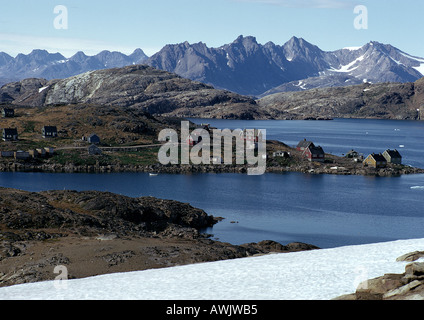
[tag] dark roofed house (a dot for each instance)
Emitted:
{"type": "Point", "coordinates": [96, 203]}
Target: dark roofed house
{"type": "Point", "coordinates": [392, 156]}
{"type": "Point", "coordinates": [10, 134]}
{"type": "Point", "coordinates": [94, 139]}
{"type": "Point", "coordinates": [49, 132]}
{"type": "Point", "coordinates": [315, 154]}
{"type": "Point", "coordinates": [355, 155]}
{"type": "Point", "coordinates": [304, 144]}
{"type": "Point", "coordinates": [375, 160]}
{"type": "Point", "coordinates": [7, 113]}
{"type": "Point", "coordinates": [94, 150]}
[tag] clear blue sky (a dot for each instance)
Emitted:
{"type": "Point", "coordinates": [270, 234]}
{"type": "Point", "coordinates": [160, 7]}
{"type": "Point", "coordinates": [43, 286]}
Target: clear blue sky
{"type": "Point", "coordinates": [125, 25]}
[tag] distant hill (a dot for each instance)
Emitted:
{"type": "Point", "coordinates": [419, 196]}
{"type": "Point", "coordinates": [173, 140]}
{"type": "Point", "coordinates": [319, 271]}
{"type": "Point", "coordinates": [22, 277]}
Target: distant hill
{"type": "Point", "coordinates": [402, 101]}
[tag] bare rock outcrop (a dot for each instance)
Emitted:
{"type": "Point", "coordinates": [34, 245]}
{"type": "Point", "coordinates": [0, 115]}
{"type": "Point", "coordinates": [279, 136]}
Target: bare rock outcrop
{"type": "Point", "coordinates": [406, 286]}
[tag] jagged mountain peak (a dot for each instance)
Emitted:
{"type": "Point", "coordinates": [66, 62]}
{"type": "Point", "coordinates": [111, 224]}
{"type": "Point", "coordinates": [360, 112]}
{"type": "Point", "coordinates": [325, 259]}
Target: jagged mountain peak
{"type": "Point", "coordinates": [243, 65]}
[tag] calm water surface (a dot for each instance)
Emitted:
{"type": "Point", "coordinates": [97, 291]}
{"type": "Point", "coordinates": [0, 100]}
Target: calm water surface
{"type": "Point", "coordinates": [324, 210]}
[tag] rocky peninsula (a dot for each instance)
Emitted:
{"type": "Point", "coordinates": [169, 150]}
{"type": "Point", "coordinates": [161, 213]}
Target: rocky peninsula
{"type": "Point", "coordinates": [93, 233]}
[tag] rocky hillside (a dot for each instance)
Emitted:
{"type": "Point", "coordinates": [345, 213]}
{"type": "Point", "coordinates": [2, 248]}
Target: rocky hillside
{"type": "Point", "coordinates": [137, 87]}
{"type": "Point", "coordinates": [381, 101]}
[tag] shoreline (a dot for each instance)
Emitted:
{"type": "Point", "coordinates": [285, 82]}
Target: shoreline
{"type": "Point", "coordinates": [306, 167]}
{"type": "Point", "coordinates": [93, 233]}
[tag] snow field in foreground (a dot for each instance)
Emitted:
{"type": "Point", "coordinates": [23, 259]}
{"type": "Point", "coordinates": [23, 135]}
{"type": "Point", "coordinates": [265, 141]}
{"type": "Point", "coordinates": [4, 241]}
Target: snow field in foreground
{"type": "Point", "coordinates": [311, 275]}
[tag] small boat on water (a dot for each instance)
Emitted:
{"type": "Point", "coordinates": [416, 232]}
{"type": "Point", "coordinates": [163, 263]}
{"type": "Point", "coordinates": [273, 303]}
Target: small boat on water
{"type": "Point", "coordinates": [153, 174]}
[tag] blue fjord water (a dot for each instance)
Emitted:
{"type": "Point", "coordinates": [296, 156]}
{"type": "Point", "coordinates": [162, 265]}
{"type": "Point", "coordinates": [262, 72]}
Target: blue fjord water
{"type": "Point", "coordinates": [324, 210]}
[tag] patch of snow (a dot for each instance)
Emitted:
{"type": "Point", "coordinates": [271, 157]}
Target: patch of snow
{"type": "Point", "coordinates": [398, 62]}
{"type": "Point", "coordinates": [420, 68]}
{"type": "Point", "coordinates": [349, 67]}
{"type": "Point", "coordinates": [42, 89]}
{"type": "Point", "coordinates": [352, 48]}
{"type": "Point", "coordinates": [301, 85]}
{"type": "Point", "coordinates": [310, 275]}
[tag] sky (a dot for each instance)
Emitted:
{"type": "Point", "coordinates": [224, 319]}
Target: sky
{"type": "Point", "coordinates": [92, 26]}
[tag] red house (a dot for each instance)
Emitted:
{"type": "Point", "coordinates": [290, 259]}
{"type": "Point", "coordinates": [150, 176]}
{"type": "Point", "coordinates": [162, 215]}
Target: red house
{"type": "Point", "coordinates": [303, 145]}
{"type": "Point", "coordinates": [310, 151]}
{"type": "Point", "coordinates": [313, 153]}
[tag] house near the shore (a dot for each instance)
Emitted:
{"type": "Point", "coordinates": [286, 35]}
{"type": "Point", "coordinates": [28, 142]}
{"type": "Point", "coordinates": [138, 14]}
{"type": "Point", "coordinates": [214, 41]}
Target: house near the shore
{"type": "Point", "coordinates": [93, 139]}
{"type": "Point", "coordinates": [392, 156]}
{"type": "Point", "coordinates": [310, 151]}
{"type": "Point", "coordinates": [21, 155]}
{"type": "Point", "coordinates": [355, 155]}
{"type": "Point", "coordinates": [304, 144]}
{"type": "Point", "coordinates": [49, 132]}
{"type": "Point", "coordinates": [6, 154]}
{"type": "Point", "coordinates": [314, 154]}
{"type": "Point", "coordinates": [10, 134]}
{"type": "Point", "coordinates": [7, 113]}
{"type": "Point", "coordinates": [281, 154]}
{"type": "Point", "coordinates": [375, 160]}
{"type": "Point", "coordinates": [94, 150]}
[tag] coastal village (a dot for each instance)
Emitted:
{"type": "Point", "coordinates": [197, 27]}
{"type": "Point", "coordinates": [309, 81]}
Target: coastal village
{"type": "Point", "coordinates": [305, 157]}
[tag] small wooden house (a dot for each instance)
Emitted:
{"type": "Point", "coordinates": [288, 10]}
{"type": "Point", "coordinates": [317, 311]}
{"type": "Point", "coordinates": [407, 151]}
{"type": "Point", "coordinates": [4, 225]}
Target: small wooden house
{"type": "Point", "coordinates": [281, 154]}
{"type": "Point", "coordinates": [7, 113]}
{"type": "Point", "coordinates": [10, 134]}
{"type": "Point", "coordinates": [93, 139]}
{"type": "Point", "coordinates": [49, 132]}
{"type": "Point", "coordinates": [375, 161]}
{"type": "Point", "coordinates": [356, 156]}
{"type": "Point", "coordinates": [304, 144]}
{"type": "Point", "coordinates": [94, 150]}
{"type": "Point", "coordinates": [22, 155]}
{"type": "Point", "coordinates": [314, 154]}
{"type": "Point", "coordinates": [392, 156]}
{"type": "Point", "coordinates": [6, 154]}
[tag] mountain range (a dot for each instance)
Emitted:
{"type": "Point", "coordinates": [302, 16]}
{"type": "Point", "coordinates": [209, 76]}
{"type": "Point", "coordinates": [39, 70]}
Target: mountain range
{"type": "Point", "coordinates": [42, 64]}
{"type": "Point", "coordinates": [243, 66]}
{"type": "Point", "coordinates": [249, 68]}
